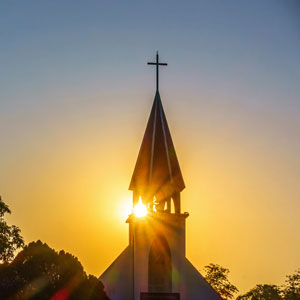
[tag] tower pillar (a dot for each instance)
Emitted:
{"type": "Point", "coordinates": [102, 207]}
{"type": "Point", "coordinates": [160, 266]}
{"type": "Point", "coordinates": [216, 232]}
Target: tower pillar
{"type": "Point", "coordinates": [157, 245]}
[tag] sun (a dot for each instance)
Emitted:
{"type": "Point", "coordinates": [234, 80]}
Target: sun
{"type": "Point", "coordinates": [140, 210]}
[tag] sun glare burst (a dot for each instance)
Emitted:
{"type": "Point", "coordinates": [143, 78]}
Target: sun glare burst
{"type": "Point", "coordinates": [140, 210]}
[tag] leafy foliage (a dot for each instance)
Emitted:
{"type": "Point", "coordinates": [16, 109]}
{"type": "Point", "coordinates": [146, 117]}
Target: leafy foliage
{"type": "Point", "coordinates": [217, 277]}
{"type": "Point", "coordinates": [39, 272]}
{"type": "Point", "coordinates": [10, 237]}
{"type": "Point", "coordinates": [262, 292]}
{"type": "Point", "coordinates": [291, 289]}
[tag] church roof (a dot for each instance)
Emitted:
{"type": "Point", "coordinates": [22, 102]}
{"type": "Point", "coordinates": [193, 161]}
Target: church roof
{"type": "Point", "coordinates": [157, 169]}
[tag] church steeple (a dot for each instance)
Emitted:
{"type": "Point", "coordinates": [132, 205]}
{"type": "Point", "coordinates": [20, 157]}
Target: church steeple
{"type": "Point", "coordinates": [157, 176]}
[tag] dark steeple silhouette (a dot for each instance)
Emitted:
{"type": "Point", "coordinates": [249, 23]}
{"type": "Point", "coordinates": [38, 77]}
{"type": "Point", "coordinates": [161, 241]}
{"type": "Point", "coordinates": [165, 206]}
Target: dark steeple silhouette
{"type": "Point", "coordinates": [157, 172]}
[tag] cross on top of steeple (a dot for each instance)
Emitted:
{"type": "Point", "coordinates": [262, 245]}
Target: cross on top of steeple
{"type": "Point", "coordinates": [157, 64]}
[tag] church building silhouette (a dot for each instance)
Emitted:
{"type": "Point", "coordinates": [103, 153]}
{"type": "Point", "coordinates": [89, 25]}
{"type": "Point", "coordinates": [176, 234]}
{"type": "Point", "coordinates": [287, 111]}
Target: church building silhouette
{"type": "Point", "coordinates": [154, 265]}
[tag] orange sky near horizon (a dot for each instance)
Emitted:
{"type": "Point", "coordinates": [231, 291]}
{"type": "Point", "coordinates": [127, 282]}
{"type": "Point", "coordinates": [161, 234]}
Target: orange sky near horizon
{"type": "Point", "coordinates": [69, 188]}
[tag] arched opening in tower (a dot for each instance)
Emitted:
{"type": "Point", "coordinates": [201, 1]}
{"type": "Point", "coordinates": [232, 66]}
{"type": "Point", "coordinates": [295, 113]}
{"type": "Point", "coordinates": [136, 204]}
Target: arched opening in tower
{"type": "Point", "coordinates": [160, 266]}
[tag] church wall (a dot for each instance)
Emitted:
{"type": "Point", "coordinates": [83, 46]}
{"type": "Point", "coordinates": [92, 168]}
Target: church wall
{"type": "Point", "coordinates": [117, 278]}
{"type": "Point", "coordinates": [196, 286]}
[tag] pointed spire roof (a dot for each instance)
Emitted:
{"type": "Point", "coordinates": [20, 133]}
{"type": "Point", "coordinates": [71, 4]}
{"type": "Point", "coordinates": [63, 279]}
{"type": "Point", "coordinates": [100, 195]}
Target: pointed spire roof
{"type": "Point", "coordinates": [157, 169]}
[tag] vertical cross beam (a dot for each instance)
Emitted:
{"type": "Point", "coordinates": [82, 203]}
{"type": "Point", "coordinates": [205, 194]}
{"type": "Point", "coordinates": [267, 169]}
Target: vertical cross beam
{"type": "Point", "coordinates": [157, 64]}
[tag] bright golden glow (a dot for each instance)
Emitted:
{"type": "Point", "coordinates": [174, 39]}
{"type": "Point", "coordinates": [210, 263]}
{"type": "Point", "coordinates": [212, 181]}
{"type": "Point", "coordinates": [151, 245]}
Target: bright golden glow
{"type": "Point", "coordinates": [140, 210]}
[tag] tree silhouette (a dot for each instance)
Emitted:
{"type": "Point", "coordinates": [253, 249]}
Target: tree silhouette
{"type": "Point", "coordinates": [291, 290]}
{"type": "Point", "coordinates": [10, 237]}
{"type": "Point", "coordinates": [262, 292]}
{"type": "Point", "coordinates": [217, 277]}
{"type": "Point", "coordinates": [39, 272]}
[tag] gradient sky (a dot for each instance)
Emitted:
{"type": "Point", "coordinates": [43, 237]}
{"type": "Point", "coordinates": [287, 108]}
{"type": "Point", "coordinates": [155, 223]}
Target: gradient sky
{"type": "Point", "coordinates": [75, 96]}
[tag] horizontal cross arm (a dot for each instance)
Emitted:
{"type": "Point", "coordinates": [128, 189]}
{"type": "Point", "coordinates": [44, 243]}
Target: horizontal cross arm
{"type": "Point", "coordinates": [160, 64]}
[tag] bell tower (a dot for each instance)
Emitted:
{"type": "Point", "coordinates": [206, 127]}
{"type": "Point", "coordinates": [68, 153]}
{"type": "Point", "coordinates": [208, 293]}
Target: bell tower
{"type": "Point", "coordinates": [158, 239]}
{"type": "Point", "coordinates": [157, 177]}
